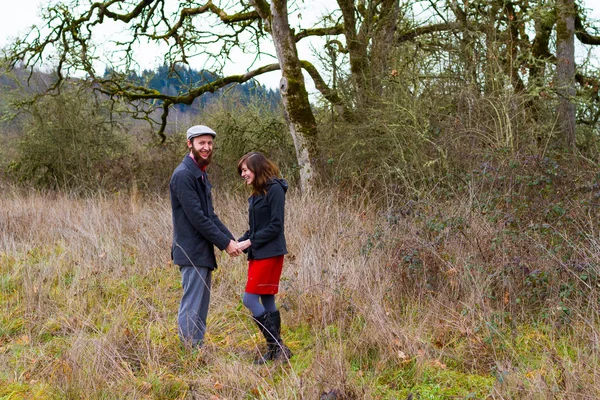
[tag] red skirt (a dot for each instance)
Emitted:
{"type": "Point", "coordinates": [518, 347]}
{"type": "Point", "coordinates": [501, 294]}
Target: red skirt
{"type": "Point", "coordinates": [263, 275]}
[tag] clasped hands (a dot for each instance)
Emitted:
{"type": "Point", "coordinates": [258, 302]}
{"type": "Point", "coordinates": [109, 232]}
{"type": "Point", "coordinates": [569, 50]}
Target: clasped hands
{"type": "Point", "coordinates": [234, 248]}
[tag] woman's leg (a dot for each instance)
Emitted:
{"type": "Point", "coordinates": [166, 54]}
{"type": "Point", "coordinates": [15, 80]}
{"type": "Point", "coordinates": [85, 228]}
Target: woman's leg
{"type": "Point", "coordinates": [277, 350]}
{"type": "Point", "coordinates": [261, 317]}
{"type": "Point", "coordinates": [252, 303]}
{"type": "Point", "coordinates": [268, 302]}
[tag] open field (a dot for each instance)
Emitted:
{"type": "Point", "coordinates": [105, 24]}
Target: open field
{"type": "Point", "coordinates": [430, 300]}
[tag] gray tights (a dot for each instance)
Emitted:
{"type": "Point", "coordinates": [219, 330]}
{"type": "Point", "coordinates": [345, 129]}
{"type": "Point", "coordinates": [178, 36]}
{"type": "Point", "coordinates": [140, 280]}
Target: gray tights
{"type": "Point", "coordinates": [259, 303]}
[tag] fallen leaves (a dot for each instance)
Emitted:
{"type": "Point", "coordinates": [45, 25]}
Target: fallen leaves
{"type": "Point", "coordinates": [438, 364]}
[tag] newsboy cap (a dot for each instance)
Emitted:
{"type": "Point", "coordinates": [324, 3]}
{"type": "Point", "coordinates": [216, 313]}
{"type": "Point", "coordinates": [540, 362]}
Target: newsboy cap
{"type": "Point", "coordinates": [199, 130]}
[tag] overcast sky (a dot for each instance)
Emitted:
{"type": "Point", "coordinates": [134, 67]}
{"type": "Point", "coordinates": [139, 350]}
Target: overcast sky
{"type": "Point", "coordinates": [18, 15]}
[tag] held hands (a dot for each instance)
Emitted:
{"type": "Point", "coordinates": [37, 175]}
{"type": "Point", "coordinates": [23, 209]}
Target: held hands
{"type": "Point", "coordinates": [234, 248]}
{"type": "Point", "coordinates": [243, 245]}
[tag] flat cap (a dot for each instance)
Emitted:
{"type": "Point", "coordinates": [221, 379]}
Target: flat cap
{"type": "Point", "coordinates": [199, 130]}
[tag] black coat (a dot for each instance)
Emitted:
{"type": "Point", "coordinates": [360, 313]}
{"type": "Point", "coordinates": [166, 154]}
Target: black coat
{"type": "Point", "coordinates": [266, 222]}
{"type": "Point", "coordinates": [196, 227]}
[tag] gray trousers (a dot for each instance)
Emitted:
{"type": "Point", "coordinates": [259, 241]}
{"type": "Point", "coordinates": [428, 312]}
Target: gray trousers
{"type": "Point", "coordinates": [193, 309]}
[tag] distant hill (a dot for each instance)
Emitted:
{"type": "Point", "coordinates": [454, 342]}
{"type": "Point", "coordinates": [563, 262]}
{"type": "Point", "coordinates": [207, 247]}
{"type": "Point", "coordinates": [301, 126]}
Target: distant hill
{"type": "Point", "coordinates": [13, 85]}
{"type": "Point", "coordinates": [181, 78]}
{"type": "Point", "coordinates": [164, 79]}
{"type": "Point", "coordinates": [24, 79]}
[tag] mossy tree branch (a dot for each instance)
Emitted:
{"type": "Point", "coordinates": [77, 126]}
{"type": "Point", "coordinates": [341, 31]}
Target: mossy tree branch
{"type": "Point", "coordinates": [581, 33]}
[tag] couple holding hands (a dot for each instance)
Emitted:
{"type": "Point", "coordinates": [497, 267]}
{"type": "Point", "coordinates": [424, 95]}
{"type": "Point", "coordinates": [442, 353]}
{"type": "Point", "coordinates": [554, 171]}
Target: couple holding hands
{"type": "Point", "coordinates": [197, 229]}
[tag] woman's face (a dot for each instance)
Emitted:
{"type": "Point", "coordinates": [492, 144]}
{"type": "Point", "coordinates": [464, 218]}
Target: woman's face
{"type": "Point", "coordinates": [247, 174]}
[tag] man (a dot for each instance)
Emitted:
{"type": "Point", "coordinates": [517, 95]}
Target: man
{"type": "Point", "coordinates": [196, 229]}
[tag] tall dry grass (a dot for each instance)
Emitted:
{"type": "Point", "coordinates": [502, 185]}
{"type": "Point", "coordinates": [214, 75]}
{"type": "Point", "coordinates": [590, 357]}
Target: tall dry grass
{"type": "Point", "coordinates": [425, 298]}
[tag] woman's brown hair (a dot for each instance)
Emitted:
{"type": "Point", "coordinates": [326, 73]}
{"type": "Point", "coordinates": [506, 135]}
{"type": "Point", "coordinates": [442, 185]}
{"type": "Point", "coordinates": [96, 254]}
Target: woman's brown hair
{"type": "Point", "coordinates": [263, 169]}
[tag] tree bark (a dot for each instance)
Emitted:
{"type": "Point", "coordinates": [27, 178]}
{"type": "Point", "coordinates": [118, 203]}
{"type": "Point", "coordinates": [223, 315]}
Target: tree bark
{"type": "Point", "coordinates": [357, 50]}
{"type": "Point", "coordinates": [369, 28]}
{"type": "Point", "coordinates": [383, 42]}
{"type": "Point", "coordinates": [299, 115]}
{"type": "Point", "coordinates": [565, 69]}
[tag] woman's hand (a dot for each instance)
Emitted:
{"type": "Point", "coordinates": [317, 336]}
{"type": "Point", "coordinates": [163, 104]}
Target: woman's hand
{"type": "Point", "coordinates": [232, 249]}
{"type": "Point", "coordinates": [243, 245]}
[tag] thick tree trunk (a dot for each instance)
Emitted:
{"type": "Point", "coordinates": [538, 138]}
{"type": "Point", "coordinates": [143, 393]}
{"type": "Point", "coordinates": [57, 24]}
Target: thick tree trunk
{"type": "Point", "coordinates": [369, 28]}
{"type": "Point", "coordinates": [300, 117]}
{"type": "Point", "coordinates": [565, 69]}
{"type": "Point", "coordinates": [357, 50]}
{"type": "Point", "coordinates": [383, 42]}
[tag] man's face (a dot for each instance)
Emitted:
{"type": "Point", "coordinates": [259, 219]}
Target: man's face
{"type": "Point", "coordinates": [201, 148]}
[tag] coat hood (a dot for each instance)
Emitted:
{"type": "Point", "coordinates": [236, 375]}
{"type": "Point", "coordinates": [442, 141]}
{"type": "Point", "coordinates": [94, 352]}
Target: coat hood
{"type": "Point", "coordinates": [279, 181]}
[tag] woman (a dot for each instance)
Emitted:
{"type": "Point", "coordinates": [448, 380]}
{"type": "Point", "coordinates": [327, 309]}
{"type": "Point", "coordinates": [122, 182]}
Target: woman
{"type": "Point", "coordinates": [265, 244]}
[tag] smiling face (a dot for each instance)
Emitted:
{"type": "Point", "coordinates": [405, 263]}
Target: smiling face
{"type": "Point", "coordinates": [201, 148]}
{"type": "Point", "coordinates": [246, 174]}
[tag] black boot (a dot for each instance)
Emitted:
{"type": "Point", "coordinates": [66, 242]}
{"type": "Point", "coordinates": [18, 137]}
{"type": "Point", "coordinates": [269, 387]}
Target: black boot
{"type": "Point", "coordinates": [278, 349]}
{"type": "Point", "coordinates": [265, 326]}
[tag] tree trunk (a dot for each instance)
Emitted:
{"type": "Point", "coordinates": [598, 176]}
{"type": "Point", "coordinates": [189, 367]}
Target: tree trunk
{"type": "Point", "coordinates": [565, 69]}
{"type": "Point", "coordinates": [369, 28]}
{"type": "Point", "coordinates": [383, 42]}
{"type": "Point", "coordinates": [299, 115]}
{"type": "Point", "coordinates": [357, 50]}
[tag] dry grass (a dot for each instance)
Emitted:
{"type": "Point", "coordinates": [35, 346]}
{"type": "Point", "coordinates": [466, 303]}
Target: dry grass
{"type": "Point", "coordinates": [436, 300]}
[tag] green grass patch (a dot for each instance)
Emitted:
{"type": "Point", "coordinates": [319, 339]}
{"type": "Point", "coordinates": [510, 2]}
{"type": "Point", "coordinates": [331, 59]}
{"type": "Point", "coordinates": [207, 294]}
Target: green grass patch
{"type": "Point", "coordinates": [26, 391]}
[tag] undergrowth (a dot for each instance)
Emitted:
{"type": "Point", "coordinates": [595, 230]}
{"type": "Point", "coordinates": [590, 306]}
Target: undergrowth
{"type": "Point", "coordinates": [488, 291]}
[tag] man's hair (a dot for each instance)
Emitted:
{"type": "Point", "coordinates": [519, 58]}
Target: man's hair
{"type": "Point", "coordinates": [263, 169]}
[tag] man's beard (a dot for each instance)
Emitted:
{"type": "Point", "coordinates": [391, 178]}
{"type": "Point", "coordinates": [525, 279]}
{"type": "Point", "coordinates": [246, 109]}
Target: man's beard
{"type": "Point", "coordinates": [202, 162]}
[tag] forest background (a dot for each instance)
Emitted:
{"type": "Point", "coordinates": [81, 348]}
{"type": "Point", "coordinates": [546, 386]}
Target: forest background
{"type": "Point", "coordinates": [442, 221]}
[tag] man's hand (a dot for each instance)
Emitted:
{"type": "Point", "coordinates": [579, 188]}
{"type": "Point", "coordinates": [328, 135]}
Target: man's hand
{"type": "Point", "coordinates": [232, 249]}
{"type": "Point", "coordinates": [244, 245]}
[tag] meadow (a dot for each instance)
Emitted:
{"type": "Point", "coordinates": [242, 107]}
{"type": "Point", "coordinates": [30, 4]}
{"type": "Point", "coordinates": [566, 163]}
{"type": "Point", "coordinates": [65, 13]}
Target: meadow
{"type": "Point", "coordinates": [449, 247]}
{"type": "Point", "coordinates": [427, 300]}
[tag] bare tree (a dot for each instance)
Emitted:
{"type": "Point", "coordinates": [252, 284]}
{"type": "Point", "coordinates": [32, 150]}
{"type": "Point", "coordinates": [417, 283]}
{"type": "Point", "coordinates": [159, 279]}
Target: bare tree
{"type": "Point", "coordinates": [190, 30]}
{"type": "Point", "coordinates": [492, 38]}
{"type": "Point", "coordinates": [494, 46]}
